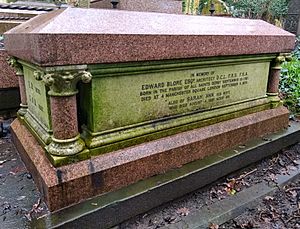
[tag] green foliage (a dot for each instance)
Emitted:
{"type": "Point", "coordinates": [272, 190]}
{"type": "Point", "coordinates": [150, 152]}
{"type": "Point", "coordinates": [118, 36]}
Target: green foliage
{"type": "Point", "coordinates": [290, 82]}
{"type": "Point", "coordinates": [296, 52]}
{"type": "Point", "coordinates": [278, 8]}
{"type": "Point", "coordinates": [260, 9]}
{"type": "Point", "coordinates": [201, 6]}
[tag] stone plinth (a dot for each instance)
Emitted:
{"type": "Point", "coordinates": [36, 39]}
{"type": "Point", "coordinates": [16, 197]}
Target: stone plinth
{"type": "Point", "coordinates": [111, 99]}
{"type": "Point", "coordinates": [70, 184]}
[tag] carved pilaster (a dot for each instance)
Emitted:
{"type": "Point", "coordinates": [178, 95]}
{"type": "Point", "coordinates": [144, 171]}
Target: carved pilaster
{"type": "Point", "coordinates": [63, 89]}
{"type": "Point", "coordinates": [19, 72]}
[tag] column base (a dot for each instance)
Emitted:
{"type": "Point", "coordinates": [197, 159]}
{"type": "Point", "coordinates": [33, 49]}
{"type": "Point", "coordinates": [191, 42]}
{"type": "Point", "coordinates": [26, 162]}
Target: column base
{"type": "Point", "coordinates": [275, 101]}
{"type": "Point", "coordinates": [22, 111]}
{"type": "Point", "coordinates": [66, 147]}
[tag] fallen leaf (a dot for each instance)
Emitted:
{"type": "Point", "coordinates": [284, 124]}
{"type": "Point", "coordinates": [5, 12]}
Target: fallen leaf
{"type": "Point", "coordinates": [170, 219]}
{"type": "Point", "coordinates": [297, 162]}
{"type": "Point", "coordinates": [272, 177]}
{"type": "Point", "coordinates": [213, 226]}
{"type": "Point", "coordinates": [2, 162]}
{"type": "Point", "coordinates": [28, 216]}
{"type": "Point", "coordinates": [292, 168]}
{"type": "Point", "coordinates": [272, 208]}
{"type": "Point", "coordinates": [231, 183]}
{"type": "Point", "coordinates": [231, 187]}
{"type": "Point", "coordinates": [183, 211]}
{"type": "Point", "coordinates": [6, 207]}
{"type": "Point", "coordinates": [266, 220]}
{"type": "Point", "coordinates": [219, 194]}
{"type": "Point", "coordinates": [244, 183]}
{"type": "Point", "coordinates": [268, 198]}
{"type": "Point", "coordinates": [293, 193]}
{"type": "Point", "coordinates": [281, 162]}
{"type": "Point", "coordinates": [248, 225]}
{"type": "Point", "coordinates": [232, 192]}
{"type": "Point", "coordinates": [35, 209]}
{"type": "Point", "coordinates": [21, 197]}
{"type": "Point", "coordinates": [284, 171]}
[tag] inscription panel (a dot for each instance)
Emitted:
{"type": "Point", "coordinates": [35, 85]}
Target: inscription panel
{"type": "Point", "coordinates": [125, 100]}
{"type": "Point", "coordinates": [37, 98]}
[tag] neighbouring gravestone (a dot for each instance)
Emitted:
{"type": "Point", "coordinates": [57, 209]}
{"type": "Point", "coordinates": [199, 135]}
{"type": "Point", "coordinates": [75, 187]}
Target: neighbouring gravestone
{"type": "Point", "coordinates": [292, 19]}
{"type": "Point", "coordinates": [16, 13]}
{"type": "Point", "coordinates": [163, 6]}
{"type": "Point", "coordinates": [12, 15]}
{"type": "Point", "coordinates": [175, 88]}
{"type": "Point", "coordinates": [9, 91]}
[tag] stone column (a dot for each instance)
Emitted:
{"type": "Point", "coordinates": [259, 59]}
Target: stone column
{"type": "Point", "coordinates": [274, 77]}
{"type": "Point", "coordinates": [66, 138]}
{"type": "Point", "coordinates": [19, 72]}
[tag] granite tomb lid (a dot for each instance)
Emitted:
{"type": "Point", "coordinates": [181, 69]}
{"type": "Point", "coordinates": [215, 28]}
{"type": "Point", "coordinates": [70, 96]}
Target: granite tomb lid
{"type": "Point", "coordinates": [90, 36]}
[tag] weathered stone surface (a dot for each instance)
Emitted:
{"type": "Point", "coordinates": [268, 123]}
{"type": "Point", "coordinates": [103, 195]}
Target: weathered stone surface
{"type": "Point", "coordinates": [126, 104]}
{"type": "Point", "coordinates": [126, 100]}
{"type": "Point", "coordinates": [37, 98]}
{"type": "Point", "coordinates": [121, 36]}
{"type": "Point", "coordinates": [73, 183]}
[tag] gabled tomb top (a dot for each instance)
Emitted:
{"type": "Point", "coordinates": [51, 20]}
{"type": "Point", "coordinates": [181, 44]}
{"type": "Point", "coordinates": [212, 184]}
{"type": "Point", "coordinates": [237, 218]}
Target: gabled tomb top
{"type": "Point", "coordinates": [90, 36]}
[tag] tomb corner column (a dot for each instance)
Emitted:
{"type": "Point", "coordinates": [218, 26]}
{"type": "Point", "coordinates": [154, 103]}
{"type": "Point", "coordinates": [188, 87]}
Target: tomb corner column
{"type": "Point", "coordinates": [274, 77]}
{"type": "Point", "coordinates": [66, 138]}
{"type": "Point", "coordinates": [19, 72]}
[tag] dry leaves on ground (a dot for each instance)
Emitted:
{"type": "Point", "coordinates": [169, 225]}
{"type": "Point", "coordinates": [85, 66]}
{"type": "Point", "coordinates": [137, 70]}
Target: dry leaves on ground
{"type": "Point", "coordinates": [183, 211]}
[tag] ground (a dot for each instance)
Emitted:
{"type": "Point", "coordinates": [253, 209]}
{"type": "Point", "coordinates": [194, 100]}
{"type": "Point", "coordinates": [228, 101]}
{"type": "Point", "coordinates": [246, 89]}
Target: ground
{"type": "Point", "coordinates": [19, 197]}
{"type": "Point", "coordinates": [20, 201]}
{"type": "Point", "coordinates": [279, 210]}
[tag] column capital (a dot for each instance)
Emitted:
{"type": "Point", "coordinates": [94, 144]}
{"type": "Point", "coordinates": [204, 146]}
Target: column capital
{"type": "Point", "coordinates": [282, 57]}
{"type": "Point", "coordinates": [274, 76]}
{"type": "Point", "coordinates": [63, 83]}
{"type": "Point", "coordinates": [16, 65]}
